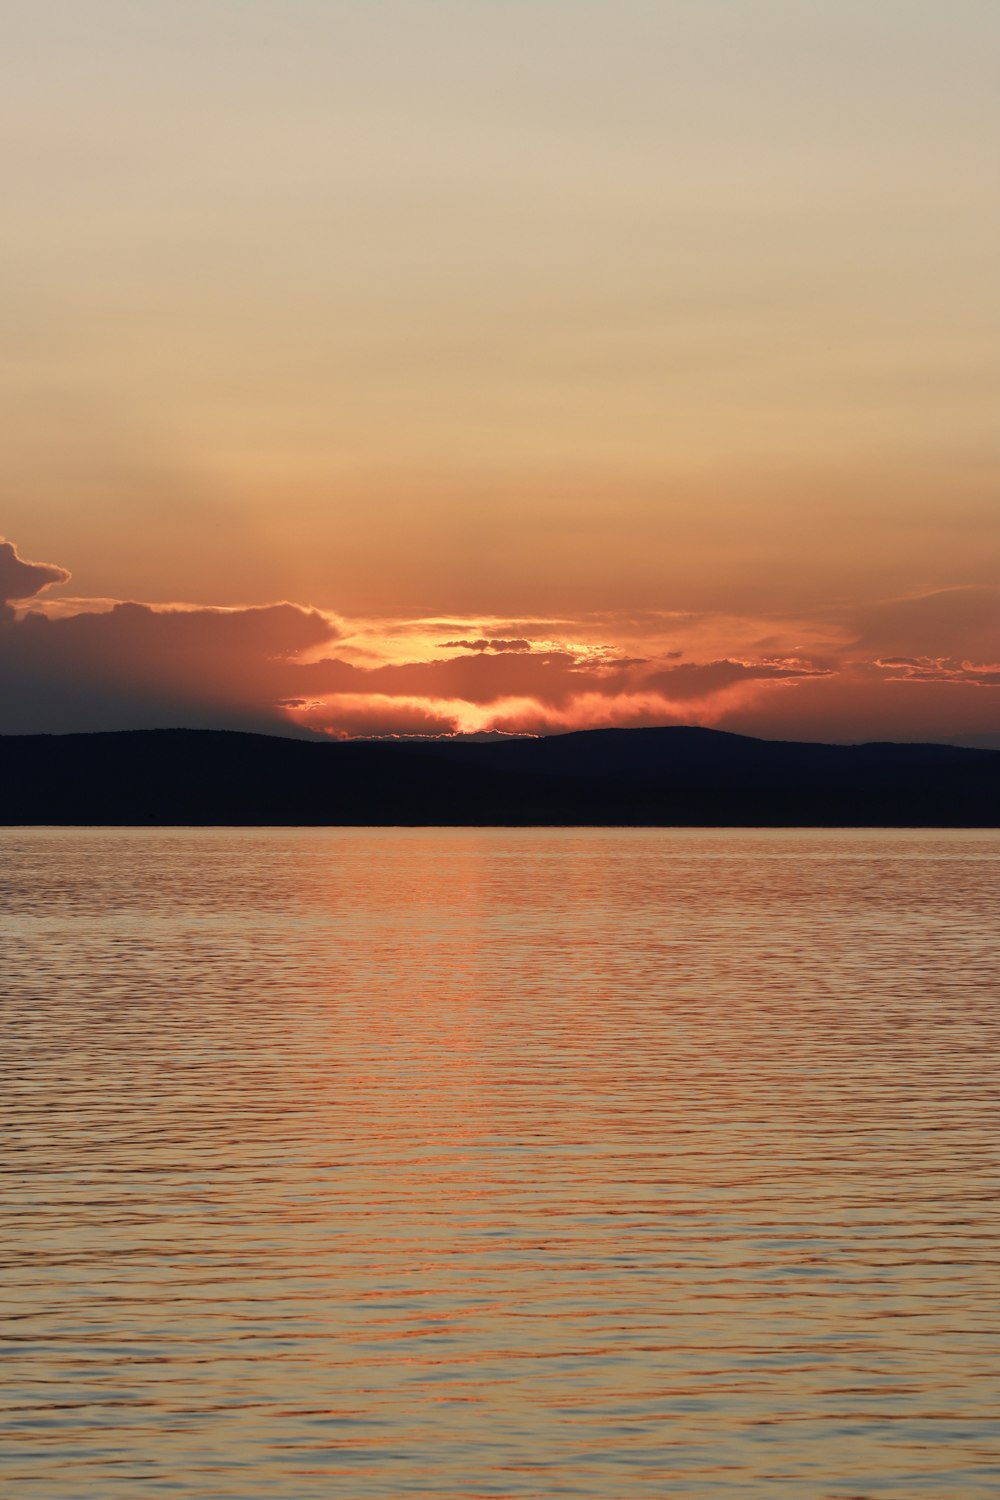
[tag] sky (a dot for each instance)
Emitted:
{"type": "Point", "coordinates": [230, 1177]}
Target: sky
{"type": "Point", "coordinates": [422, 366]}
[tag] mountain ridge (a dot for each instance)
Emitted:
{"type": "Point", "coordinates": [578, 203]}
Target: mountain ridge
{"type": "Point", "coordinates": [681, 775]}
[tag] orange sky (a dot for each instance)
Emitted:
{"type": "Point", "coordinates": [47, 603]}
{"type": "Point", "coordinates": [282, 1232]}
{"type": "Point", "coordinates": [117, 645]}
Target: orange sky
{"type": "Point", "coordinates": [659, 337]}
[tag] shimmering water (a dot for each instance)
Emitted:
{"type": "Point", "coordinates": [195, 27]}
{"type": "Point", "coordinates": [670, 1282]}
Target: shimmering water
{"type": "Point", "coordinates": [490, 1163]}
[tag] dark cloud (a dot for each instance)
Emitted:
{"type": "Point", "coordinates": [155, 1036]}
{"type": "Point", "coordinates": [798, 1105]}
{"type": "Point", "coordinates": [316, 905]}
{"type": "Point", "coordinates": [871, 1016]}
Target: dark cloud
{"type": "Point", "coordinates": [480, 679]}
{"type": "Point", "coordinates": [135, 667]}
{"type": "Point", "coordinates": [487, 645]}
{"type": "Point", "coordinates": [20, 579]}
{"type": "Point", "coordinates": [866, 703]}
{"type": "Point", "coordinates": [694, 680]}
{"type": "Point", "coordinates": [960, 623]}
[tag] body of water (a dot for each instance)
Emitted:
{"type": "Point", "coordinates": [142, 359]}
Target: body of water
{"type": "Point", "coordinates": [485, 1163]}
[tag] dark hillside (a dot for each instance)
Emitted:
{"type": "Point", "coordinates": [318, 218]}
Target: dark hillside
{"type": "Point", "coordinates": [675, 776]}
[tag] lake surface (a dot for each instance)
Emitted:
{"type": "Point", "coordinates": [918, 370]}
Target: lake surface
{"type": "Point", "coordinates": [478, 1163]}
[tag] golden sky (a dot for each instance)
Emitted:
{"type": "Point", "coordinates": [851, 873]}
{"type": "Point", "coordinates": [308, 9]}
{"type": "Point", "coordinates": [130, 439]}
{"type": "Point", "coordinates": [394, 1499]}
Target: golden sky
{"type": "Point", "coordinates": [659, 336]}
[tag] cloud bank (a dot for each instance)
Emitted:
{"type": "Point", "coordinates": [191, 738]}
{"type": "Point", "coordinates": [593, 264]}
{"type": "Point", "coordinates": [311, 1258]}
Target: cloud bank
{"type": "Point", "coordinates": [918, 667]}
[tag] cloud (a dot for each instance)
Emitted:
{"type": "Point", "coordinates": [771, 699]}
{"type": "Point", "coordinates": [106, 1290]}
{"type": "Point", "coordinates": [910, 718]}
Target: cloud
{"type": "Point", "coordinates": [902, 668]}
{"type": "Point", "coordinates": [693, 680]}
{"type": "Point", "coordinates": [487, 645]}
{"type": "Point", "coordinates": [958, 623]}
{"type": "Point", "coordinates": [939, 669]}
{"type": "Point", "coordinates": [20, 579]}
{"type": "Point", "coordinates": [535, 694]}
{"type": "Point", "coordinates": [551, 676]}
{"type": "Point", "coordinates": [863, 702]}
{"type": "Point", "coordinates": [365, 715]}
{"type": "Point", "coordinates": [135, 666]}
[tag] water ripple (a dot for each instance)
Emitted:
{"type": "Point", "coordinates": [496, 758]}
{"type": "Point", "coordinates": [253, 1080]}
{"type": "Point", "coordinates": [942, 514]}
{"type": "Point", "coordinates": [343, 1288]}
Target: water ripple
{"type": "Point", "coordinates": [498, 1163]}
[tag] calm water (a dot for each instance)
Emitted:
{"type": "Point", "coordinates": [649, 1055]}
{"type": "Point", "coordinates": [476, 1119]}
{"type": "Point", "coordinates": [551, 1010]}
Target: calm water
{"type": "Point", "coordinates": [490, 1163]}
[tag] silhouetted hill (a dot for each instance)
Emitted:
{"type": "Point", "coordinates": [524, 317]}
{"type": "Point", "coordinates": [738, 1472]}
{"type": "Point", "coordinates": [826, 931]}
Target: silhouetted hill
{"type": "Point", "coordinates": [653, 777]}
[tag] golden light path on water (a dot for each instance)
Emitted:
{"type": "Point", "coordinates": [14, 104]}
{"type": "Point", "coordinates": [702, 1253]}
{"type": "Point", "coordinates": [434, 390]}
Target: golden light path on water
{"type": "Point", "coordinates": [521, 1163]}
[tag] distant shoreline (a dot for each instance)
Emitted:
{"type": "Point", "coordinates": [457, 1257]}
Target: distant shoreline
{"type": "Point", "coordinates": [674, 777]}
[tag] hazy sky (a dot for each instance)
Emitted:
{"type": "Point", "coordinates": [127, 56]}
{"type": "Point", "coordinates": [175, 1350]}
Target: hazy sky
{"type": "Point", "coordinates": [657, 329]}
